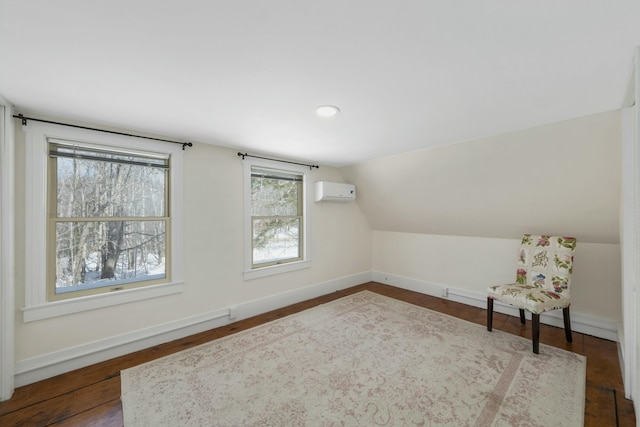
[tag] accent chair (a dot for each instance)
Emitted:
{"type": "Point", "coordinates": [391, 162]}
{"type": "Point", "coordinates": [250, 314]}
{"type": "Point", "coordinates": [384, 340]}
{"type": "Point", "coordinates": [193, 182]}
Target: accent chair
{"type": "Point", "coordinates": [543, 279]}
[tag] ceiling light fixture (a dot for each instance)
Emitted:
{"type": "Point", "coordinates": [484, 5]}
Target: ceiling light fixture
{"type": "Point", "coordinates": [327, 110]}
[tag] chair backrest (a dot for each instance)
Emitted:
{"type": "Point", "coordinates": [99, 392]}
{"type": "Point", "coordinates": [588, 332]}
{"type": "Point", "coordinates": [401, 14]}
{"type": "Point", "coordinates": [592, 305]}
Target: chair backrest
{"type": "Point", "coordinates": [546, 262]}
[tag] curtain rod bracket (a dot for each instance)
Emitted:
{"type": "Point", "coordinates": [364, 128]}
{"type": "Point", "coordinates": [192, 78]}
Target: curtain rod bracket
{"type": "Point", "coordinates": [243, 155]}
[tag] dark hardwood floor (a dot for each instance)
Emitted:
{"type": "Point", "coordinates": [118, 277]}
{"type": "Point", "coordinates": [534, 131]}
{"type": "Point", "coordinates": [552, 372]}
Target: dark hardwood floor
{"type": "Point", "coordinates": [91, 396]}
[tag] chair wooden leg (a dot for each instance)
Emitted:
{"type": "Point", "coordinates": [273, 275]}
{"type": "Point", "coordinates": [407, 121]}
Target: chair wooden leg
{"type": "Point", "coordinates": [522, 318]}
{"type": "Point", "coordinates": [489, 314]}
{"type": "Point", "coordinates": [567, 324]}
{"type": "Point", "coordinates": [535, 332]}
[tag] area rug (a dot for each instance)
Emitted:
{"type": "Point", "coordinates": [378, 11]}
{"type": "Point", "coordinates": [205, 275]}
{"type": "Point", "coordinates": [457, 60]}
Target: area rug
{"type": "Point", "coordinates": [362, 360]}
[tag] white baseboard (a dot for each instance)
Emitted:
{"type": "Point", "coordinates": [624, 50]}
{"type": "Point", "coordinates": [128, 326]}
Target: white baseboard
{"type": "Point", "coordinates": [51, 364]}
{"type": "Point", "coordinates": [590, 325]}
{"type": "Point", "coordinates": [409, 284]}
{"type": "Point", "coordinates": [48, 365]}
{"type": "Point", "coordinates": [273, 302]}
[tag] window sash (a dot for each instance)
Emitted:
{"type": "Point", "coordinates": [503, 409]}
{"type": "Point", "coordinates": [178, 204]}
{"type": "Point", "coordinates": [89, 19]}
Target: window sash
{"type": "Point", "coordinates": [277, 260]}
{"type": "Point", "coordinates": [87, 152]}
{"type": "Point", "coordinates": [90, 287]}
{"type": "Point", "coordinates": [78, 178]}
{"type": "Point", "coordinates": [286, 176]}
{"type": "Point", "coordinates": [259, 172]}
{"type": "Point", "coordinates": [70, 149]}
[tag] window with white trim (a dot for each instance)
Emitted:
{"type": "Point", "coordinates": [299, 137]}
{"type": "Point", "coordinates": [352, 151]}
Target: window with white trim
{"type": "Point", "coordinates": [104, 220]}
{"type": "Point", "coordinates": [276, 219]}
{"type": "Point", "coordinates": [108, 219]}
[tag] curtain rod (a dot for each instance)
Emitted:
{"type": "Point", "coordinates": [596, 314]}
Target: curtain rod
{"type": "Point", "coordinates": [243, 155]}
{"type": "Point", "coordinates": [24, 123]}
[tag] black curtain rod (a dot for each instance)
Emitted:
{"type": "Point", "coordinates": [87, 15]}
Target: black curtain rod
{"type": "Point", "coordinates": [24, 123]}
{"type": "Point", "coordinates": [243, 155]}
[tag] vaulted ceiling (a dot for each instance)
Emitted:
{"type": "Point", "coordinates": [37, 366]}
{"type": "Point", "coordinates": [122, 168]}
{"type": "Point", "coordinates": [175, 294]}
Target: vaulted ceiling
{"type": "Point", "coordinates": [406, 74]}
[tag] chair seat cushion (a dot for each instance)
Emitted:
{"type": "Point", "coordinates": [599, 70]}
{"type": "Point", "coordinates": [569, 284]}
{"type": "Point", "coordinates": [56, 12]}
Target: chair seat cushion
{"type": "Point", "coordinates": [528, 297]}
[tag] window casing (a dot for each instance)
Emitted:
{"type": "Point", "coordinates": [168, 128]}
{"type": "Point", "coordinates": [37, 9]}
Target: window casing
{"type": "Point", "coordinates": [276, 219]}
{"type": "Point", "coordinates": [42, 218]}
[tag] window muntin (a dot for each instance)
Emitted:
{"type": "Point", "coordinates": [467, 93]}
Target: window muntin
{"type": "Point", "coordinates": [277, 217]}
{"type": "Point", "coordinates": [108, 222]}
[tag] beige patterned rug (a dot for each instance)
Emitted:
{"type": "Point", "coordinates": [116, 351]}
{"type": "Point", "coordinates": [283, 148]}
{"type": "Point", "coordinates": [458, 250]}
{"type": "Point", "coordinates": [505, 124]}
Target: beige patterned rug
{"type": "Point", "coordinates": [362, 360]}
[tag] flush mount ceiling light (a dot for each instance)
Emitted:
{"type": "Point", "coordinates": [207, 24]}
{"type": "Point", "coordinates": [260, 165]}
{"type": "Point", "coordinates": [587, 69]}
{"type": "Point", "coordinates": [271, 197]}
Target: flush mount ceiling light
{"type": "Point", "coordinates": [327, 110]}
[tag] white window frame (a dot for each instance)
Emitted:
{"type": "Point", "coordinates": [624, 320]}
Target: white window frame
{"type": "Point", "coordinates": [36, 305]}
{"type": "Point", "coordinates": [257, 272]}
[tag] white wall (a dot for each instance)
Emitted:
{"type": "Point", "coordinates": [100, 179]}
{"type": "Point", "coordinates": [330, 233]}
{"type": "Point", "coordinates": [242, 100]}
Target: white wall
{"type": "Point", "coordinates": [213, 248]}
{"type": "Point", "coordinates": [558, 179]}
{"type": "Point", "coordinates": [451, 217]}
{"type": "Point", "coordinates": [474, 263]}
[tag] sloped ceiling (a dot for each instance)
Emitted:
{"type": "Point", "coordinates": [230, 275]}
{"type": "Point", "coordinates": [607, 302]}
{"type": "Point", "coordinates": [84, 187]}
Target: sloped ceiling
{"type": "Point", "coordinates": [407, 74]}
{"type": "Point", "coordinates": [559, 179]}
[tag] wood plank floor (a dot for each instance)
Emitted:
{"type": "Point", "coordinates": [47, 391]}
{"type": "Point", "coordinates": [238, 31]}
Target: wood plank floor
{"type": "Point", "coordinates": [91, 396]}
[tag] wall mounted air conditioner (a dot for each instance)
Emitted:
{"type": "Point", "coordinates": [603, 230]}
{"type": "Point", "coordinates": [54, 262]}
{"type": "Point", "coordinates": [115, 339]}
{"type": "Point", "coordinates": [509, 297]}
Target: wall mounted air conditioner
{"type": "Point", "coordinates": [334, 192]}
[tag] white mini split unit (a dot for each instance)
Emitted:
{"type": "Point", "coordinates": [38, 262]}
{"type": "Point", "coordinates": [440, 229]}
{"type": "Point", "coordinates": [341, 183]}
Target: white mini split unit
{"type": "Point", "coordinates": [334, 192]}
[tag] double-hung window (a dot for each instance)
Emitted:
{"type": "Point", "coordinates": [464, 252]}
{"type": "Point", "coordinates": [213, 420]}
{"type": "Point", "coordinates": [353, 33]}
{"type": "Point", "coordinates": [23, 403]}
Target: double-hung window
{"type": "Point", "coordinates": [276, 219]}
{"type": "Point", "coordinates": [108, 219]}
{"type": "Point", "coordinates": [103, 220]}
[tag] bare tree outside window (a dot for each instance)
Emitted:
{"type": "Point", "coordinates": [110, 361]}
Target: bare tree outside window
{"type": "Point", "coordinates": [110, 222]}
{"type": "Point", "coordinates": [276, 216]}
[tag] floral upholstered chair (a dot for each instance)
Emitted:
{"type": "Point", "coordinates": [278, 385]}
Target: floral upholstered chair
{"type": "Point", "coordinates": [545, 264]}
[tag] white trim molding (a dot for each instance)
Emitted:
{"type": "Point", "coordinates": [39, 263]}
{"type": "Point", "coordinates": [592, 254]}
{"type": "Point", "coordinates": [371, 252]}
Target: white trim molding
{"type": "Point", "coordinates": [629, 249]}
{"type": "Point", "coordinates": [51, 364]}
{"type": "Point", "coordinates": [55, 363]}
{"type": "Point", "coordinates": [582, 323]}
{"type": "Point", "coordinates": [255, 273]}
{"type": "Point", "coordinates": [7, 245]}
{"type": "Point", "coordinates": [93, 302]}
{"type": "Point", "coordinates": [48, 365]}
{"type": "Point", "coordinates": [36, 305]}
{"type": "Point", "coordinates": [629, 350]}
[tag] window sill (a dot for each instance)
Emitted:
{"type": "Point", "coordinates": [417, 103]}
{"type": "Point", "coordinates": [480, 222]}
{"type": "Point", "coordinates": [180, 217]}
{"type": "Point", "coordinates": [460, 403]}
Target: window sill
{"type": "Point", "coordinates": [276, 269]}
{"type": "Point", "coordinates": [92, 302]}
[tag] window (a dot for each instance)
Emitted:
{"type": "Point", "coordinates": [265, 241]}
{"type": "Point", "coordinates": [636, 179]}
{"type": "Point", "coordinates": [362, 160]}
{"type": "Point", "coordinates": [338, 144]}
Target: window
{"type": "Point", "coordinates": [108, 219]}
{"type": "Point", "coordinates": [276, 219]}
{"type": "Point", "coordinates": [104, 220]}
